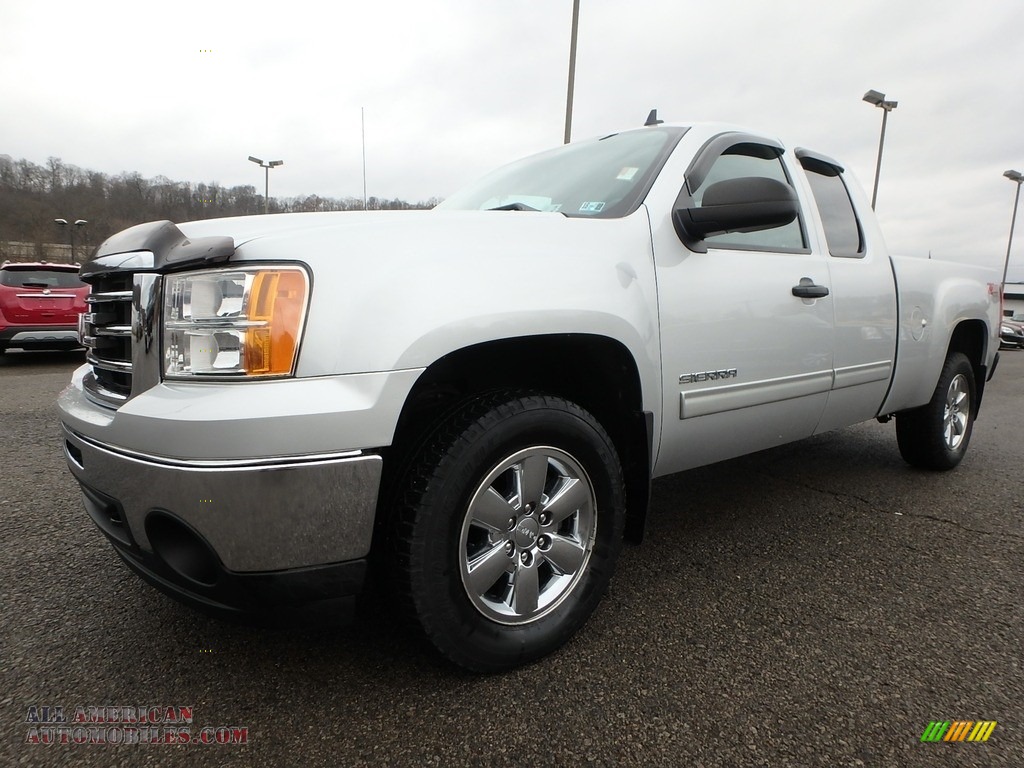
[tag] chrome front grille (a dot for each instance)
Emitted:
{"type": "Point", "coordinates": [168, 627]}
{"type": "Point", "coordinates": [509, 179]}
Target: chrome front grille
{"type": "Point", "coordinates": [119, 333]}
{"type": "Point", "coordinates": [106, 331]}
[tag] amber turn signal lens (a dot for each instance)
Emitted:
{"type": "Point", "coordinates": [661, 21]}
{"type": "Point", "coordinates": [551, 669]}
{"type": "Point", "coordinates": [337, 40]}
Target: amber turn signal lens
{"type": "Point", "coordinates": [277, 299]}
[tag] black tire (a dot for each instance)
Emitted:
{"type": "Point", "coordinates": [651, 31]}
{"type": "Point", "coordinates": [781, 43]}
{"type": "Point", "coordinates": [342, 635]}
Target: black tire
{"type": "Point", "coordinates": [936, 435]}
{"type": "Point", "coordinates": [449, 537]}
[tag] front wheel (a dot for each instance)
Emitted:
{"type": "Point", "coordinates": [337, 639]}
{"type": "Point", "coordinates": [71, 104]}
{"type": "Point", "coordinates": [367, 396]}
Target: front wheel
{"type": "Point", "coordinates": [935, 436]}
{"type": "Point", "coordinates": [511, 526]}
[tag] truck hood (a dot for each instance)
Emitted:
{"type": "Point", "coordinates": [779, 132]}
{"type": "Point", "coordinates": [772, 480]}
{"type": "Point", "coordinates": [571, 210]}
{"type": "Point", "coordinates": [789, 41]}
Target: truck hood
{"type": "Point", "coordinates": [164, 246]}
{"type": "Point", "coordinates": [245, 229]}
{"type": "Point", "coordinates": [257, 233]}
{"type": "Point", "coordinates": [460, 246]}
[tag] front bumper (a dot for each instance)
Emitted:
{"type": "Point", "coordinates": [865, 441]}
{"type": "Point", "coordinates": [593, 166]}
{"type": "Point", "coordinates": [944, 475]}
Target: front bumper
{"type": "Point", "coordinates": [251, 536]}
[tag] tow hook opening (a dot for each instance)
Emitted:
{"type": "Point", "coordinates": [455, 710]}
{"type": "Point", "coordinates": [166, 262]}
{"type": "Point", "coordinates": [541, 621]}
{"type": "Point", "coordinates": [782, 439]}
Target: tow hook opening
{"type": "Point", "coordinates": [183, 550]}
{"type": "Point", "coordinates": [74, 454]}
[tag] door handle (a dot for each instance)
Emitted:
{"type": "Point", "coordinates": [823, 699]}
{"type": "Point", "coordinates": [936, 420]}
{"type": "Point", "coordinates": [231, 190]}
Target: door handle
{"type": "Point", "coordinates": [808, 289]}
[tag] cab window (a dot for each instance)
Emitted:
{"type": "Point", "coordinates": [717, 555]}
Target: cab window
{"type": "Point", "coordinates": [842, 229]}
{"type": "Point", "coordinates": [745, 160]}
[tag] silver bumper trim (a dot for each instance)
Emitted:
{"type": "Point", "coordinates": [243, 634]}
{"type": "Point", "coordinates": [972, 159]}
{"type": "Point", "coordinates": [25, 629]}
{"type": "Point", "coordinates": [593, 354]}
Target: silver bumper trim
{"type": "Point", "coordinates": [262, 515]}
{"type": "Point", "coordinates": [269, 461]}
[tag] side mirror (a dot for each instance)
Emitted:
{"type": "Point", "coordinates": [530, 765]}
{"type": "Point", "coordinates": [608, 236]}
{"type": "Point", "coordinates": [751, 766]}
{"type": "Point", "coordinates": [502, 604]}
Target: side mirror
{"type": "Point", "coordinates": [738, 205]}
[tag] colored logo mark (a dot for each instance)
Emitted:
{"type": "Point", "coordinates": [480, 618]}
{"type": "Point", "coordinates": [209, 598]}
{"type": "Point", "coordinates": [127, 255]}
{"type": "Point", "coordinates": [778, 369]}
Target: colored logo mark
{"type": "Point", "coordinates": [958, 730]}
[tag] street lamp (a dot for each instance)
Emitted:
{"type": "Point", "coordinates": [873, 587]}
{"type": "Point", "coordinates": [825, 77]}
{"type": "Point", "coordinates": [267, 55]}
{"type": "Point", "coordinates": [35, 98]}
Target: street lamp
{"type": "Point", "coordinates": [266, 186]}
{"type": "Point", "coordinates": [71, 230]}
{"type": "Point", "coordinates": [878, 99]}
{"type": "Point", "coordinates": [362, 120]}
{"type": "Point", "coordinates": [1017, 177]}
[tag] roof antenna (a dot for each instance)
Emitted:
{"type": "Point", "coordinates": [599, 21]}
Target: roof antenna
{"type": "Point", "coordinates": [652, 119]}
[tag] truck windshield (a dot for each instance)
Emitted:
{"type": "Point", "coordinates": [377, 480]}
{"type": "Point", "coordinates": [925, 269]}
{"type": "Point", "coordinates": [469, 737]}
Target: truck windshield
{"type": "Point", "coordinates": [599, 178]}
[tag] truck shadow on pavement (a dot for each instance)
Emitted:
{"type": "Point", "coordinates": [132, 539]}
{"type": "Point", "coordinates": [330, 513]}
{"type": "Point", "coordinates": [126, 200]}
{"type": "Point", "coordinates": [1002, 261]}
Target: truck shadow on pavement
{"type": "Point", "coordinates": [19, 358]}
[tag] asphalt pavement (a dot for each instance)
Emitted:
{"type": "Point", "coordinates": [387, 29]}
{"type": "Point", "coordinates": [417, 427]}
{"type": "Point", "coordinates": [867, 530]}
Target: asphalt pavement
{"type": "Point", "coordinates": [818, 604]}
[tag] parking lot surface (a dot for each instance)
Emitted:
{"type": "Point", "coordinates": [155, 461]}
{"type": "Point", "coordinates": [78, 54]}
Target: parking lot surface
{"type": "Point", "coordinates": [816, 604]}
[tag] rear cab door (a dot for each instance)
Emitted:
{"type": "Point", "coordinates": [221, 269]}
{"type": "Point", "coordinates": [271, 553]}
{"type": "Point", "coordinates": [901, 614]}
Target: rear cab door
{"type": "Point", "coordinates": [863, 296]}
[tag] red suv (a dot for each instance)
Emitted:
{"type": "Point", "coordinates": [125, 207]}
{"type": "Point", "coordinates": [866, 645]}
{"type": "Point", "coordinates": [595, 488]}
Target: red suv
{"type": "Point", "coordinates": [39, 305]}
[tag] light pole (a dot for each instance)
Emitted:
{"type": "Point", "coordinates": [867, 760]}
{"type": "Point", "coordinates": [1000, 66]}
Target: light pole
{"type": "Point", "coordinates": [266, 183]}
{"type": "Point", "coordinates": [878, 99]}
{"type": "Point", "coordinates": [1017, 177]}
{"type": "Point", "coordinates": [71, 230]}
{"type": "Point", "coordinates": [362, 120]}
{"type": "Point", "coordinates": [572, 69]}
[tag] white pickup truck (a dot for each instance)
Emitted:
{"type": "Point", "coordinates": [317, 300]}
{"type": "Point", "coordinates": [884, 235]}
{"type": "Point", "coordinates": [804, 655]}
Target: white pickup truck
{"type": "Point", "coordinates": [468, 404]}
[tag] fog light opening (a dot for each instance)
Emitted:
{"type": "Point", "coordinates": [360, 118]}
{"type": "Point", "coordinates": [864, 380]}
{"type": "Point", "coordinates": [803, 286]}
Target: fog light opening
{"type": "Point", "coordinates": [182, 549]}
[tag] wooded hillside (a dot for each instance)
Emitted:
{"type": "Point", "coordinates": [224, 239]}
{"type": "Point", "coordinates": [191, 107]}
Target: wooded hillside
{"type": "Point", "coordinates": [32, 196]}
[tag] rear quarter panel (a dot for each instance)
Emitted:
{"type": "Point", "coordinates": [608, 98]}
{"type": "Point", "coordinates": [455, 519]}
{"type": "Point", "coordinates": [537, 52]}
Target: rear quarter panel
{"type": "Point", "coordinates": [934, 297]}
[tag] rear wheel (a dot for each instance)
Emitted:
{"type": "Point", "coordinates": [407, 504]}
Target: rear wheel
{"type": "Point", "coordinates": [510, 528]}
{"type": "Point", "coordinates": [936, 435]}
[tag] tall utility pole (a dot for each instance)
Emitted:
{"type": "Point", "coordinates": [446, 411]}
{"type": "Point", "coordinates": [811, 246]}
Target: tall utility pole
{"type": "Point", "coordinates": [878, 99]}
{"type": "Point", "coordinates": [362, 117]}
{"type": "Point", "coordinates": [572, 69]}
{"type": "Point", "coordinates": [1017, 177]}
{"type": "Point", "coordinates": [266, 181]}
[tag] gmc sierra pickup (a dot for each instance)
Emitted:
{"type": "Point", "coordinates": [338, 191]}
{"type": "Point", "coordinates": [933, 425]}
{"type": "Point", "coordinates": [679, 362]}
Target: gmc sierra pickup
{"type": "Point", "coordinates": [468, 404]}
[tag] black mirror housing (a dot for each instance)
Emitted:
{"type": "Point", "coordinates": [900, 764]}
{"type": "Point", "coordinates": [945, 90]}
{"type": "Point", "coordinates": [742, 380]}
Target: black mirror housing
{"type": "Point", "coordinates": [746, 204]}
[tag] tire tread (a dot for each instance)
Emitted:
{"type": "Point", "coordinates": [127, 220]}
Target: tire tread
{"type": "Point", "coordinates": [919, 432]}
{"type": "Point", "coordinates": [433, 465]}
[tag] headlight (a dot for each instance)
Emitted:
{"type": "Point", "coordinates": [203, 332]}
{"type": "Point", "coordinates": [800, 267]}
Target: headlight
{"type": "Point", "coordinates": [234, 322]}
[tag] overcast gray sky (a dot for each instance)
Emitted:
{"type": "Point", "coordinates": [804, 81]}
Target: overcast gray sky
{"type": "Point", "coordinates": [453, 88]}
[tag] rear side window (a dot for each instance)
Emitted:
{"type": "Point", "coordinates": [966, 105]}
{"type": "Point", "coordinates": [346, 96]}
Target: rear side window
{"type": "Point", "coordinates": [40, 278]}
{"type": "Point", "coordinates": [842, 229]}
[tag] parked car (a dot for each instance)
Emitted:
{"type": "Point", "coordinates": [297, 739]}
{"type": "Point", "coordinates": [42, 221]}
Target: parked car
{"type": "Point", "coordinates": [39, 305]}
{"type": "Point", "coordinates": [1011, 332]}
{"type": "Point", "coordinates": [468, 404]}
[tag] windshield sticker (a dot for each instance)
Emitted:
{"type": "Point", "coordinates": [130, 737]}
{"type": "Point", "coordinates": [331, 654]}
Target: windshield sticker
{"type": "Point", "coordinates": [555, 208]}
{"type": "Point", "coordinates": [627, 173]}
{"type": "Point", "coordinates": [591, 207]}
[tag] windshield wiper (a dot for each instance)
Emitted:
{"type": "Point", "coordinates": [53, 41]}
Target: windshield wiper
{"type": "Point", "coordinates": [515, 207]}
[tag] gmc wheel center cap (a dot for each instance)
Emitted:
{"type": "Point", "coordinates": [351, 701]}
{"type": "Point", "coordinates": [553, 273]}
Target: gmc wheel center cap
{"type": "Point", "coordinates": [526, 533]}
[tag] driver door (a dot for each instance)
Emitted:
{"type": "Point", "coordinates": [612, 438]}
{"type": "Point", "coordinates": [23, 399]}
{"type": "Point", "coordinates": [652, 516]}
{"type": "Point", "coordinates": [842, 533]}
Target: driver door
{"type": "Point", "coordinates": [746, 319]}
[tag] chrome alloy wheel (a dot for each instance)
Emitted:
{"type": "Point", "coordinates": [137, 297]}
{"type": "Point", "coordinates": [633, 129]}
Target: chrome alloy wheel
{"type": "Point", "coordinates": [957, 412]}
{"type": "Point", "coordinates": [528, 534]}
